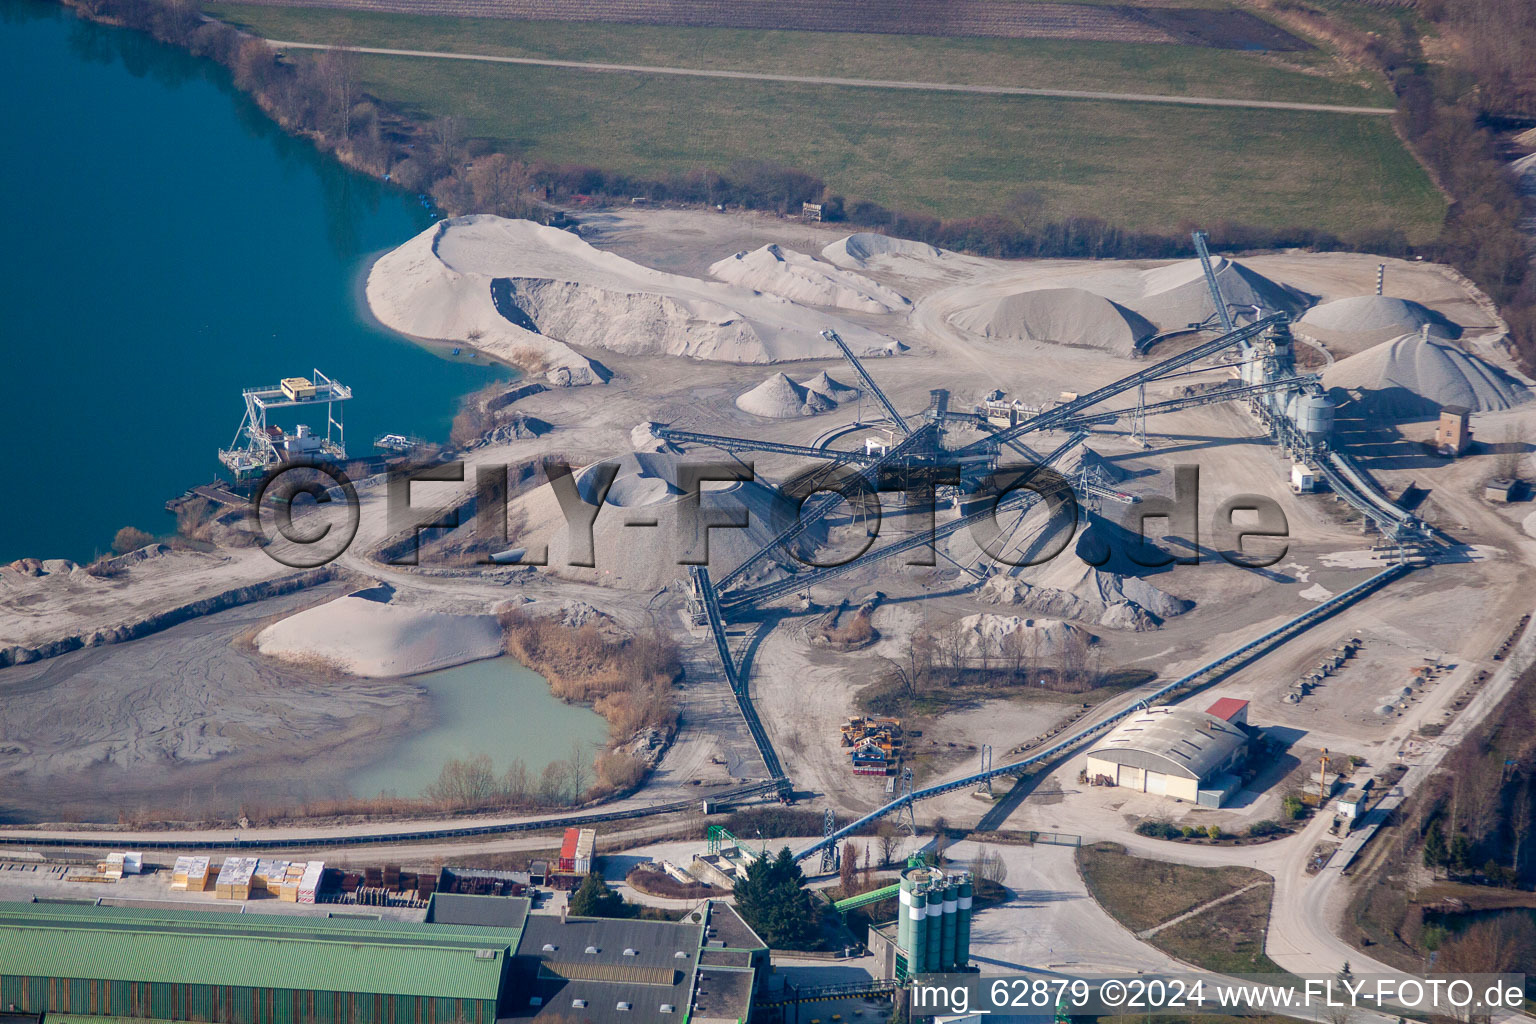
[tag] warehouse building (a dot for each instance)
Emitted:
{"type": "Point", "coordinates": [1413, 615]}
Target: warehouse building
{"type": "Point", "coordinates": [476, 959]}
{"type": "Point", "coordinates": [1175, 751]}
{"type": "Point", "coordinates": [247, 968]}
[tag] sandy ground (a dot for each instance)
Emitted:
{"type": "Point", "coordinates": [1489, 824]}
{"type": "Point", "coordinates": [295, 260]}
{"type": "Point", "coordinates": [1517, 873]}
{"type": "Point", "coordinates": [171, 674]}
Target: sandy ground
{"type": "Point", "coordinates": [370, 637]}
{"type": "Point", "coordinates": [187, 721]}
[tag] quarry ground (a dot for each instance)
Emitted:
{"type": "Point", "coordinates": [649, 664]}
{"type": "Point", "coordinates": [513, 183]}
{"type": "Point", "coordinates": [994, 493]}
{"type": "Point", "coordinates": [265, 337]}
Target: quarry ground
{"type": "Point", "coordinates": [945, 154]}
{"type": "Point", "coordinates": [1456, 612]}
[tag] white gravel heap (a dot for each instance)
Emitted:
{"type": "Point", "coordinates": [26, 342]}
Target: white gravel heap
{"type": "Point", "coordinates": [1105, 598]}
{"type": "Point", "coordinates": [1371, 319]}
{"type": "Point", "coordinates": [803, 278]}
{"type": "Point", "coordinates": [527, 293]}
{"type": "Point", "coordinates": [830, 388]}
{"type": "Point", "coordinates": [987, 635]}
{"type": "Point", "coordinates": [377, 639]}
{"type": "Point", "coordinates": [778, 397]}
{"type": "Point", "coordinates": [866, 247]}
{"type": "Point", "coordinates": [1177, 294]}
{"type": "Point", "coordinates": [1063, 316]}
{"type": "Point", "coordinates": [646, 491]}
{"type": "Point", "coordinates": [1414, 377]}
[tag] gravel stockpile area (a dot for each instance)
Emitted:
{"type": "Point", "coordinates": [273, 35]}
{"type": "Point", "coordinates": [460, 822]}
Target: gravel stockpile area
{"type": "Point", "coordinates": [1371, 319]}
{"type": "Point", "coordinates": [1176, 295]}
{"type": "Point", "coordinates": [1063, 316]}
{"type": "Point", "coordinates": [778, 398]}
{"type": "Point", "coordinates": [526, 293]}
{"type": "Point", "coordinates": [1413, 377]}
{"type": "Point", "coordinates": [643, 529]}
{"type": "Point", "coordinates": [802, 278]}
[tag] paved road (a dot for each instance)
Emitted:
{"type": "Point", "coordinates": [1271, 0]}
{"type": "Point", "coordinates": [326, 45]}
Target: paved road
{"type": "Point", "coordinates": [863, 83]}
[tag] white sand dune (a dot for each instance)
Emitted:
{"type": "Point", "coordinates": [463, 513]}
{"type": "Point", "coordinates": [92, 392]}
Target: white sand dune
{"type": "Point", "coordinates": [1413, 377]}
{"type": "Point", "coordinates": [1063, 316]}
{"type": "Point", "coordinates": [802, 278]}
{"type": "Point", "coordinates": [375, 639]}
{"type": "Point", "coordinates": [778, 397]}
{"type": "Point", "coordinates": [530, 293]}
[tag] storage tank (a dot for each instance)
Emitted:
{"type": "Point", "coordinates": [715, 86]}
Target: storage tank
{"type": "Point", "coordinates": [903, 915]}
{"type": "Point", "coordinates": [1312, 415]}
{"type": "Point", "coordinates": [917, 950]}
{"type": "Point", "coordinates": [936, 922]}
{"type": "Point", "coordinates": [963, 923]}
{"type": "Point", "coordinates": [951, 911]}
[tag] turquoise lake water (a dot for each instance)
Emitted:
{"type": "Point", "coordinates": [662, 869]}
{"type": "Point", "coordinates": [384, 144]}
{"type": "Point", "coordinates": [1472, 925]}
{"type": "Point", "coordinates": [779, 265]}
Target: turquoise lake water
{"type": "Point", "coordinates": [165, 246]}
{"type": "Point", "coordinates": [496, 707]}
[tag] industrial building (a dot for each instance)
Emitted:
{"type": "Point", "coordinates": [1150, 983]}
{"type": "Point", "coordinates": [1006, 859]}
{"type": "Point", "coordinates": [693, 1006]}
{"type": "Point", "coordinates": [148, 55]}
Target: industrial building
{"type": "Point", "coordinates": [932, 930]}
{"type": "Point", "coordinates": [1175, 751]}
{"type": "Point", "coordinates": [474, 960]}
{"type": "Point", "coordinates": [247, 968]}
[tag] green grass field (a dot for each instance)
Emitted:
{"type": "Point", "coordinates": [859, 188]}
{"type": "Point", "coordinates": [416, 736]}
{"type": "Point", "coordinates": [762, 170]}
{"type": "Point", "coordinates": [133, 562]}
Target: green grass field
{"type": "Point", "coordinates": [1035, 63]}
{"type": "Point", "coordinates": [1138, 165]}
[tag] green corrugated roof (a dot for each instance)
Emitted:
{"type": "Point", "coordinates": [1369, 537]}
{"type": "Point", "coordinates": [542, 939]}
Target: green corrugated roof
{"type": "Point", "coordinates": [255, 950]}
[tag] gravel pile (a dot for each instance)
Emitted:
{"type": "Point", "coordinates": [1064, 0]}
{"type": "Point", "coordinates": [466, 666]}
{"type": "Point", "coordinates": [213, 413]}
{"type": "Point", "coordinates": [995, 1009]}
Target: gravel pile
{"type": "Point", "coordinates": [647, 555]}
{"type": "Point", "coordinates": [1413, 377]}
{"type": "Point", "coordinates": [829, 388]}
{"type": "Point", "coordinates": [1105, 598]}
{"type": "Point", "coordinates": [989, 635]}
{"type": "Point", "coordinates": [779, 398]}
{"type": "Point", "coordinates": [1176, 295]}
{"type": "Point", "coordinates": [802, 278]}
{"type": "Point", "coordinates": [859, 250]}
{"type": "Point", "coordinates": [1372, 319]}
{"type": "Point", "coordinates": [1063, 316]}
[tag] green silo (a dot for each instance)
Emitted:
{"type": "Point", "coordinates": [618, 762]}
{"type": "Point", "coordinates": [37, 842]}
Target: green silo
{"type": "Point", "coordinates": [917, 952]}
{"type": "Point", "coordinates": [935, 921]}
{"type": "Point", "coordinates": [904, 917]}
{"type": "Point", "coordinates": [951, 912]}
{"type": "Point", "coordinates": [963, 924]}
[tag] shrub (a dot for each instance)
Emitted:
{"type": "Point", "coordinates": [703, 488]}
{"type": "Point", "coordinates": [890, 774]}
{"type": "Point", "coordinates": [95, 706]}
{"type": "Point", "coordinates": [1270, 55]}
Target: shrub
{"type": "Point", "coordinates": [1263, 828]}
{"type": "Point", "coordinates": [130, 538]}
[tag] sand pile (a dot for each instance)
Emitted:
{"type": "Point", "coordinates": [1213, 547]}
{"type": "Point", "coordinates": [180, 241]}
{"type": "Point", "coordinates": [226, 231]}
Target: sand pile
{"type": "Point", "coordinates": [1064, 316]}
{"type": "Point", "coordinates": [1371, 319]}
{"type": "Point", "coordinates": [778, 397]}
{"type": "Point", "coordinates": [1109, 599]}
{"type": "Point", "coordinates": [374, 638]}
{"type": "Point", "coordinates": [802, 278]}
{"type": "Point", "coordinates": [830, 388]}
{"type": "Point", "coordinates": [528, 293]}
{"type": "Point", "coordinates": [866, 247]}
{"type": "Point", "coordinates": [1414, 377]}
{"type": "Point", "coordinates": [647, 492]}
{"type": "Point", "coordinates": [991, 636]}
{"type": "Point", "coordinates": [643, 439]}
{"type": "Point", "coordinates": [1177, 295]}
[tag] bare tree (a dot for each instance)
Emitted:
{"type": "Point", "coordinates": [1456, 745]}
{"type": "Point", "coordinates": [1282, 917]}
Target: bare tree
{"type": "Point", "coordinates": [337, 68]}
{"type": "Point", "coordinates": [447, 142]}
{"type": "Point", "coordinates": [940, 838]}
{"type": "Point", "coordinates": [885, 835]}
{"type": "Point", "coordinates": [848, 869]}
{"type": "Point", "coordinates": [500, 185]}
{"type": "Point", "coordinates": [1519, 823]}
{"type": "Point", "coordinates": [580, 771]}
